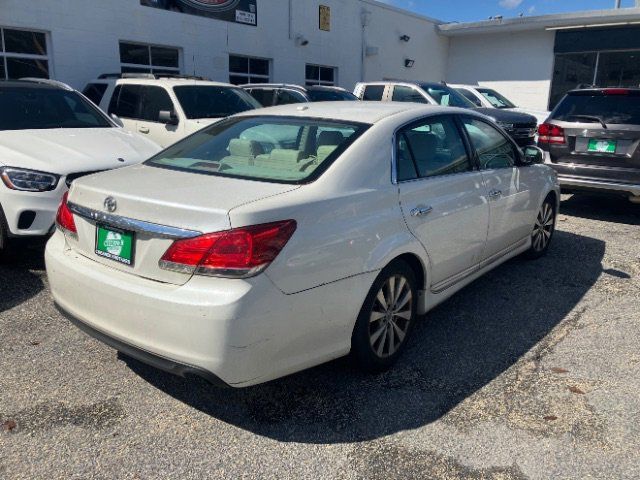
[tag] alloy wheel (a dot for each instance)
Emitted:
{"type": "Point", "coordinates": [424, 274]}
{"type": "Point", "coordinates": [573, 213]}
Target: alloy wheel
{"type": "Point", "coordinates": [390, 316]}
{"type": "Point", "coordinates": [543, 228]}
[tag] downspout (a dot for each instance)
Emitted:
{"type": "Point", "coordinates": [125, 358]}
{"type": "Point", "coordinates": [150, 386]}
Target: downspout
{"type": "Point", "coordinates": [290, 19]}
{"type": "Point", "coordinates": [364, 21]}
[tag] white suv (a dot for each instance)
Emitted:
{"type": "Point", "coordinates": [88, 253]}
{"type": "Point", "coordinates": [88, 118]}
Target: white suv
{"type": "Point", "coordinates": [51, 135]}
{"type": "Point", "coordinates": [166, 108]}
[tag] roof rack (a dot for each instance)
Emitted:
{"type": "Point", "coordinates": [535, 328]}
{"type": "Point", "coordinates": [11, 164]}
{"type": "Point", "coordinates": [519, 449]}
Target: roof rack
{"type": "Point", "coordinates": [151, 76]}
{"type": "Point", "coordinates": [47, 81]}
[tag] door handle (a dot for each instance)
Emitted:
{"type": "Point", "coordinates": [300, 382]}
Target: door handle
{"type": "Point", "coordinates": [420, 211]}
{"type": "Point", "coordinates": [143, 129]}
{"type": "Point", "coordinates": [495, 194]}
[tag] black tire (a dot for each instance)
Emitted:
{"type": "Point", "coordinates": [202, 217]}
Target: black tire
{"type": "Point", "coordinates": [364, 347]}
{"type": "Point", "coordinates": [4, 237]}
{"type": "Point", "coordinates": [543, 230]}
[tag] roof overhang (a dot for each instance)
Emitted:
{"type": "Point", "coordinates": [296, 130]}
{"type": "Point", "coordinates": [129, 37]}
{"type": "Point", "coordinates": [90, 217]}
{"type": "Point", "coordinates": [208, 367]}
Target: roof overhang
{"type": "Point", "coordinates": [565, 21]}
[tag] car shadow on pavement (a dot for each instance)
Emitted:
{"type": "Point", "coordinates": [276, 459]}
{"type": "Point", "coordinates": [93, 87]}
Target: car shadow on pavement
{"type": "Point", "coordinates": [606, 208]}
{"type": "Point", "coordinates": [18, 282]}
{"type": "Point", "coordinates": [460, 347]}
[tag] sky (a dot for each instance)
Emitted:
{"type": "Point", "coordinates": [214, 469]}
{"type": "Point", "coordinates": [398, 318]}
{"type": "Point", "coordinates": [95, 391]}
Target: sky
{"type": "Point", "coordinates": [470, 10]}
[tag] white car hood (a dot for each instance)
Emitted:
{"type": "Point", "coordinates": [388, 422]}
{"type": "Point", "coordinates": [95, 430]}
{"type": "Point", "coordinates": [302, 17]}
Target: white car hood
{"type": "Point", "coordinates": [69, 150]}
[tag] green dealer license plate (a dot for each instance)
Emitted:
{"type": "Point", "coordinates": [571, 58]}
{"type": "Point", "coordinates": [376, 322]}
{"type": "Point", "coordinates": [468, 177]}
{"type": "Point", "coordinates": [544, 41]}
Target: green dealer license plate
{"type": "Point", "coordinates": [114, 244]}
{"type": "Point", "coordinates": [601, 146]}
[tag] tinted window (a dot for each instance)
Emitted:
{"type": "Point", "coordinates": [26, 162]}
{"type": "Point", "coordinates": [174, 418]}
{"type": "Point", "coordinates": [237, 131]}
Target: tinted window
{"type": "Point", "coordinates": [496, 99]}
{"type": "Point", "coordinates": [248, 70]}
{"type": "Point", "coordinates": [407, 94]}
{"type": "Point", "coordinates": [265, 148]}
{"type": "Point", "coordinates": [446, 96]}
{"type": "Point", "coordinates": [263, 95]}
{"type": "Point", "coordinates": [126, 101]}
{"type": "Point", "coordinates": [493, 149]}
{"type": "Point", "coordinates": [615, 109]}
{"type": "Point", "coordinates": [330, 96]}
{"type": "Point", "coordinates": [319, 75]}
{"type": "Point", "coordinates": [21, 41]}
{"type": "Point", "coordinates": [469, 96]}
{"type": "Point", "coordinates": [209, 101]}
{"type": "Point", "coordinates": [24, 67]}
{"type": "Point", "coordinates": [286, 97]}
{"type": "Point", "coordinates": [431, 148]}
{"type": "Point", "coordinates": [154, 99]}
{"type": "Point", "coordinates": [373, 92]}
{"type": "Point", "coordinates": [95, 92]}
{"type": "Point", "coordinates": [42, 108]}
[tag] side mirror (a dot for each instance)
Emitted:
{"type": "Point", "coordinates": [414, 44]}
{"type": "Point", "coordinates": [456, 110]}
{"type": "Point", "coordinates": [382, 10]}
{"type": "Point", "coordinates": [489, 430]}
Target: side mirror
{"type": "Point", "coordinates": [169, 117]}
{"type": "Point", "coordinates": [532, 155]}
{"type": "Point", "coordinates": [118, 121]}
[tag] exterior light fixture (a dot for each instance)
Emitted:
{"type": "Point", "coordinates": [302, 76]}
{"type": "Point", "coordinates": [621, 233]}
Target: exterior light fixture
{"type": "Point", "coordinates": [409, 62]}
{"type": "Point", "coordinates": [405, 38]}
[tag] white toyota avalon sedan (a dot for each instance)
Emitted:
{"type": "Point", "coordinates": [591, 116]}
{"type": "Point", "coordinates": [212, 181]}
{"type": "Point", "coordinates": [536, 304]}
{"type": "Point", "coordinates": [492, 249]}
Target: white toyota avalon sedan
{"type": "Point", "coordinates": [280, 239]}
{"type": "Point", "coordinates": [49, 136]}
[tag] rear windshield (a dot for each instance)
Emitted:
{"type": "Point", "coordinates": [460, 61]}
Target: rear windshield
{"type": "Point", "coordinates": [330, 96]}
{"type": "Point", "coordinates": [614, 109]}
{"type": "Point", "coordinates": [200, 101]}
{"type": "Point", "coordinates": [273, 149]}
{"type": "Point", "coordinates": [496, 99]}
{"type": "Point", "coordinates": [42, 108]}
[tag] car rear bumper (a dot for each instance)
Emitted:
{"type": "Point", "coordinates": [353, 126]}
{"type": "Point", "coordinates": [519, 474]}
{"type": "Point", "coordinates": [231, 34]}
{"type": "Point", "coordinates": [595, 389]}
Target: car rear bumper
{"type": "Point", "coordinates": [235, 332]}
{"type": "Point", "coordinates": [599, 185]}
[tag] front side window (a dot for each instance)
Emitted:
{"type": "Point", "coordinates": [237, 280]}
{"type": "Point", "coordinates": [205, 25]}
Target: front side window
{"type": "Point", "coordinates": [95, 92]}
{"type": "Point", "coordinates": [469, 96]}
{"type": "Point", "coordinates": [23, 53]}
{"type": "Point", "coordinates": [447, 97]}
{"type": "Point", "coordinates": [321, 95]}
{"type": "Point", "coordinates": [264, 96]}
{"type": "Point", "coordinates": [431, 148]}
{"type": "Point", "coordinates": [248, 70]}
{"type": "Point", "coordinates": [273, 149]}
{"type": "Point", "coordinates": [126, 101]}
{"type": "Point", "coordinates": [287, 97]}
{"type": "Point", "coordinates": [210, 101]}
{"type": "Point", "coordinates": [320, 75]}
{"type": "Point", "coordinates": [496, 99]}
{"type": "Point", "coordinates": [144, 58]}
{"type": "Point", "coordinates": [154, 100]}
{"type": "Point", "coordinates": [373, 93]}
{"type": "Point", "coordinates": [494, 149]}
{"type": "Point", "coordinates": [43, 108]}
{"type": "Point", "coordinates": [407, 94]}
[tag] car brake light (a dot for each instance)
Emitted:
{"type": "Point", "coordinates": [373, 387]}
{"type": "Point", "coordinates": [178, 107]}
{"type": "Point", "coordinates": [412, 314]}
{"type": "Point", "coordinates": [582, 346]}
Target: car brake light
{"type": "Point", "coordinates": [548, 133]}
{"type": "Point", "coordinates": [64, 217]}
{"type": "Point", "coordinates": [237, 253]}
{"type": "Point", "coordinates": [616, 91]}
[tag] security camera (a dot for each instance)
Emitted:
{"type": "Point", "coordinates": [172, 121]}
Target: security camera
{"type": "Point", "coordinates": [301, 41]}
{"type": "Point", "coordinates": [405, 38]}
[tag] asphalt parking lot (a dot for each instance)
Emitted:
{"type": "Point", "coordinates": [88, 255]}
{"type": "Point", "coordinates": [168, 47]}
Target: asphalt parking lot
{"type": "Point", "coordinates": [533, 371]}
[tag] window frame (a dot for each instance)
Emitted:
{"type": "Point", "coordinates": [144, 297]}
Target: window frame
{"type": "Point", "coordinates": [312, 82]}
{"type": "Point", "coordinates": [474, 150]}
{"type": "Point", "coordinates": [248, 75]}
{"type": "Point", "coordinates": [4, 55]}
{"type": "Point", "coordinates": [151, 68]}
{"type": "Point", "coordinates": [457, 122]}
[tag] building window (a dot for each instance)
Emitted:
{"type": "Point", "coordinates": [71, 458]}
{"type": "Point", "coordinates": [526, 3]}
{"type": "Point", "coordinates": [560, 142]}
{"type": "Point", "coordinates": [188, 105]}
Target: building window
{"type": "Point", "coordinates": [23, 53]}
{"type": "Point", "coordinates": [320, 75]}
{"type": "Point", "coordinates": [248, 70]}
{"type": "Point", "coordinates": [141, 58]}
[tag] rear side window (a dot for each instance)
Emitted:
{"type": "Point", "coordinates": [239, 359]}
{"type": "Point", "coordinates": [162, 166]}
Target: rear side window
{"type": "Point", "coordinates": [95, 92]}
{"type": "Point", "coordinates": [373, 92]}
{"type": "Point", "coordinates": [263, 95]}
{"type": "Point", "coordinates": [154, 100]}
{"type": "Point", "coordinates": [493, 149]}
{"type": "Point", "coordinates": [266, 148]}
{"type": "Point", "coordinates": [126, 101]}
{"type": "Point", "coordinates": [431, 148]}
{"type": "Point", "coordinates": [615, 109]}
{"type": "Point", "coordinates": [407, 94]}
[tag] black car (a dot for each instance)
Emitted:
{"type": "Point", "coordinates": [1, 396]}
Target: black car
{"type": "Point", "coordinates": [270, 94]}
{"type": "Point", "coordinates": [593, 141]}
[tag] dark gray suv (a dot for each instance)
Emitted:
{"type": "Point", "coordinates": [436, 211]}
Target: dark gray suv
{"type": "Point", "coordinates": [592, 138]}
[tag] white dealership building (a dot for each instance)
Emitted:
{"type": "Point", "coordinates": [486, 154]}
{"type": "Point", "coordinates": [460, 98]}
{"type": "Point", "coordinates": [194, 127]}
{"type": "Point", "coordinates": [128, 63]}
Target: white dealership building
{"type": "Point", "coordinates": [532, 60]}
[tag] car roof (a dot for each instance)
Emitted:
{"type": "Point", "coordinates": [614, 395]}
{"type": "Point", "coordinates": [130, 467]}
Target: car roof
{"type": "Point", "coordinates": [29, 84]}
{"type": "Point", "coordinates": [274, 85]}
{"type": "Point", "coordinates": [359, 112]}
{"type": "Point", "coordinates": [167, 81]}
{"type": "Point", "coordinates": [586, 91]}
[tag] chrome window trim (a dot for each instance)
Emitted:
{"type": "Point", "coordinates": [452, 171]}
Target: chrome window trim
{"type": "Point", "coordinates": [152, 229]}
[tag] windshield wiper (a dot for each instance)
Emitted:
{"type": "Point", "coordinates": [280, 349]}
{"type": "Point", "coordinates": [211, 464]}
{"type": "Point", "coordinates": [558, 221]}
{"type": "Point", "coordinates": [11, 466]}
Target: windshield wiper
{"type": "Point", "coordinates": [592, 118]}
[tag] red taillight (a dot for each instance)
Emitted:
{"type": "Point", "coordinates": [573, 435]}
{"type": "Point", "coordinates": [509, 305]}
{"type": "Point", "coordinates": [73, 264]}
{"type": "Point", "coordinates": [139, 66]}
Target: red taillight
{"type": "Point", "coordinates": [239, 253]}
{"type": "Point", "coordinates": [616, 91]}
{"type": "Point", "coordinates": [64, 217]}
{"type": "Point", "coordinates": [548, 133]}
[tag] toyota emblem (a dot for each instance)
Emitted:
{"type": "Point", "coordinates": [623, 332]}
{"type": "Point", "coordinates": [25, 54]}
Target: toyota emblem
{"type": "Point", "coordinates": [110, 204]}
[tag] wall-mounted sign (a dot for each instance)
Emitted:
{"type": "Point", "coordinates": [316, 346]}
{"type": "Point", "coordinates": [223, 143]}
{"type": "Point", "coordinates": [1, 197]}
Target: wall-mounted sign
{"type": "Point", "coordinates": [325, 18]}
{"type": "Point", "coordinates": [238, 11]}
